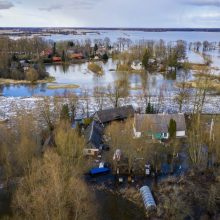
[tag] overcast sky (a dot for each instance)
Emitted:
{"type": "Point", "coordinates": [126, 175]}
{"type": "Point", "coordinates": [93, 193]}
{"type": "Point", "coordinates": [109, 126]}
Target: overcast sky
{"type": "Point", "coordinates": [110, 13]}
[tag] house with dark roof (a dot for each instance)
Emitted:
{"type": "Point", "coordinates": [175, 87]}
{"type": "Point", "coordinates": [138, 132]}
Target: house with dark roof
{"type": "Point", "coordinates": [93, 135]}
{"type": "Point", "coordinates": [114, 114]}
{"type": "Point", "coordinates": [156, 125]}
{"type": "Point", "coordinates": [95, 131]}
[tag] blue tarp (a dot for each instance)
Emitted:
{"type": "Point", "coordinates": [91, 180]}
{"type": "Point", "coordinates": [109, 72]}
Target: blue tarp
{"type": "Point", "coordinates": [95, 171]}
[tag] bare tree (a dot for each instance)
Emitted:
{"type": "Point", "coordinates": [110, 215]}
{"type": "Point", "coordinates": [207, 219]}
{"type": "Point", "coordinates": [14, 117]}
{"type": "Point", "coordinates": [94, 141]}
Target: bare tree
{"type": "Point", "coordinates": [86, 99]}
{"type": "Point", "coordinates": [99, 95]}
{"type": "Point", "coordinates": [183, 91]}
{"type": "Point", "coordinates": [49, 191]}
{"type": "Point", "coordinates": [117, 91]}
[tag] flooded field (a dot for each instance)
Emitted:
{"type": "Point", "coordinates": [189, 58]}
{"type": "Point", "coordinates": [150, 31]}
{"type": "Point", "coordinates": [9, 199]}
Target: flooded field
{"type": "Point", "coordinates": [78, 74]}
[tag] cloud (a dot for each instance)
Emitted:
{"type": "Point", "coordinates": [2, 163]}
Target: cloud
{"type": "Point", "coordinates": [5, 5]}
{"type": "Point", "coordinates": [75, 4]}
{"type": "Point", "coordinates": [209, 17]}
{"type": "Point", "coordinates": [51, 8]}
{"type": "Point", "coordinates": [83, 4]}
{"type": "Point", "coordinates": [215, 3]}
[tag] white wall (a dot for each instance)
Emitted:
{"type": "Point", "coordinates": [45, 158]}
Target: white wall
{"type": "Point", "coordinates": [180, 133]}
{"type": "Point", "coordinates": [136, 134]}
{"type": "Point", "coordinates": [165, 136]}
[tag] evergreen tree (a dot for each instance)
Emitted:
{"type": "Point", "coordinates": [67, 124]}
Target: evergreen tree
{"type": "Point", "coordinates": [145, 60]}
{"type": "Point", "coordinates": [172, 129]}
{"type": "Point", "coordinates": [54, 48]}
{"type": "Point", "coordinates": [71, 44]}
{"type": "Point", "coordinates": [63, 56]}
{"type": "Point", "coordinates": [64, 114]}
{"type": "Point", "coordinates": [95, 48]}
{"type": "Point", "coordinates": [105, 57]}
{"type": "Point", "coordinates": [150, 109]}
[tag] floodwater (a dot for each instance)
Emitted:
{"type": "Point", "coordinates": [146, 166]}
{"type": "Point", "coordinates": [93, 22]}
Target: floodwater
{"type": "Point", "coordinates": [135, 36]}
{"type": "Point", "coordinates": [112, 207]}
{"type": "Point", "coordinates": [78, 73]}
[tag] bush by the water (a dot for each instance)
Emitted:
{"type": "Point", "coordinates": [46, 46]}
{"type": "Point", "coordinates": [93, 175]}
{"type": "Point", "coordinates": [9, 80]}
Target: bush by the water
{"type": "Point", "coordinates": [95, 68]}
{"type": "Point", "coordinates": [16, 72]}
{"type": "Point", "coordinates": [123, 68]}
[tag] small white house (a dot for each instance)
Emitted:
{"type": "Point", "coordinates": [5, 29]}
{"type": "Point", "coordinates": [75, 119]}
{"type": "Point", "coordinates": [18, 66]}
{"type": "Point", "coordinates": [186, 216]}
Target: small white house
{"type": "Point", "coordinates": [151, 61]}
{"type": "Point", "coordinates": [171, 69]}
{"type": "Point", "coordinates": [136, 65]}
{"type": "Point", "coordinates": [156, 125]}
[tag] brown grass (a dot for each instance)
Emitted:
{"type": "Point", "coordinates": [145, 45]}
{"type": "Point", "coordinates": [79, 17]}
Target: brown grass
{"type": "Point", "coordinates": [95, 68]}
{"type": "Point", "coordinates": [63, 86]}
{"type": "Point", "coordinates": [12, 81]}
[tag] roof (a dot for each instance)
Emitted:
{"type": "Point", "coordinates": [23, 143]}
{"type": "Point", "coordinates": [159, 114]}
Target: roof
{"type": "Point", "coordinates": [76, 56]}
{"type": "Point", "coordinates": [57, 59]}
{"type": "Point", "coordinates": [120, 113]}
{"type": "Point", "coordinates": [158, 123]}
{"type": "Point", "coordinates": [93, 134]}
{"type": "Point", "coordinates": [136, 62]}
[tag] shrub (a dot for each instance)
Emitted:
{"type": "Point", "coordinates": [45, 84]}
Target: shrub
{"type": "Point", "coordinates": [32, 75]}
{"type": "Point", "coordinates": [123, 68]}
{"type": "Point", "coordinates": [105, 56]}
{"type": "Point", "coordinates": [95, 68]}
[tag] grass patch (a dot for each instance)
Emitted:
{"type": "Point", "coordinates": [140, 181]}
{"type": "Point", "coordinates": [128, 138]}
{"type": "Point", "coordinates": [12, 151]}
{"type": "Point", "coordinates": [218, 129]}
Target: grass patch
{"type": "Point", "coordinates": [197, 66]}
{"type": "Point", "coordinates": [206, 75]}
{"type": "Point", "coordinates": [13, 81]}
{"type": "Point", "coordinates": [63, 86]}
{"type": "Point", "coordinates": [123, 68]}
{"type": "Point", "coordinates": [213, 86]}
{"type": "Point", "coordinates": [95, 68]}
{"type": "Point", "coordinates": [127, 68]}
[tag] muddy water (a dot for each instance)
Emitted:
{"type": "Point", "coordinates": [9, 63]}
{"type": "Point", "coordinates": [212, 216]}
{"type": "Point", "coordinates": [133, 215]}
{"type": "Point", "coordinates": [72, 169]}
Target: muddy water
{"type": "Point", "coordinates": [113, 207]}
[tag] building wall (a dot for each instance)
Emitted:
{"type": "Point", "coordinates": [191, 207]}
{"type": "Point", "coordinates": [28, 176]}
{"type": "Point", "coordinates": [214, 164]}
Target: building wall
{"type": "Point", "coordinates": [165, 135]}
{"type": "Point", "coordinates": [180, 133]}
{"type": "Point", "coordinates": [136, 134]}
{"type": "Point", "coordinates": [90, 152]}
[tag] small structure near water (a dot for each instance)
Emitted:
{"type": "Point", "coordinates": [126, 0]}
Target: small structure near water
{"type": "Point", "coordinates": [148, 198]}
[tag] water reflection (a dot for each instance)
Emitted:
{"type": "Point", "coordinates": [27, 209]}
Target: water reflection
{"type": "Point", "coordinates": [79, 74]}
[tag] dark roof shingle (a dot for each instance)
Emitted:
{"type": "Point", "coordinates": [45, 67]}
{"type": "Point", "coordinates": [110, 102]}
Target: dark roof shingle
{"type": "Point", "coordinates": [120, 113]}
{"type": "Point", "coordinates": [93, 134]}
